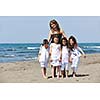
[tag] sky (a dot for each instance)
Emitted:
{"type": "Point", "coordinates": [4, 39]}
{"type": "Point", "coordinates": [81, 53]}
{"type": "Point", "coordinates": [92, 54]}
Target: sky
{"type": "Point", "coordinates": [33, 29]}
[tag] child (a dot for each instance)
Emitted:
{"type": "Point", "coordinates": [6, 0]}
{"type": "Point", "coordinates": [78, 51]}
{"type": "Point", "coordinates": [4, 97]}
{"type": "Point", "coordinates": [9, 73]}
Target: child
{"type": "Point", "coordinates": [44, 57]}
{"type": "Point", "coordinates": [65, 57]}
{"type": "Point", "coordinates": [75, 53]}
{"type": "Point", "coordinates": [55, 54]}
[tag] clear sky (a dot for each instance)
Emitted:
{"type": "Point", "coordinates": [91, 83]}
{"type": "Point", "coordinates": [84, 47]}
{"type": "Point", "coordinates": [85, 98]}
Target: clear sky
{"type": "Point", "coordinates": [33, 29]}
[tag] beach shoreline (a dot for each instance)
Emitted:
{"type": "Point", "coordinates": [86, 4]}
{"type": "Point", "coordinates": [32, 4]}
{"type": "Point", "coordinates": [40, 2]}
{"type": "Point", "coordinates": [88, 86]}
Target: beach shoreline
{"type": "Point", "coordinates": [30, 72]}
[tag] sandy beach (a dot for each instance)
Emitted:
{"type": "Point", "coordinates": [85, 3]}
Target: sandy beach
{"type": "Point", "coordinates": [30, 72]}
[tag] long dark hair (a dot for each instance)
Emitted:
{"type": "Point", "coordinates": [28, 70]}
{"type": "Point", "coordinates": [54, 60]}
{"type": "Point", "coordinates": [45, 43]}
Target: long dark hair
{"type": "Point", "coordinates": [66, 42]}
{"type": "Point", "coordinates": [74, 44]}
{"type": "Point", "coordinates": [56, 23]}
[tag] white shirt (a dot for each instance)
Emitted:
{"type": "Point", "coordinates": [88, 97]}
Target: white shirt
{"type": "Point", "coordinates": [65, 54]}
{"type": "Point", "coordinates": [55, 51]}
{"type": "Point", "coordinates": [44, 54]}
{"type": "Point", "coordinates": [77, 52]}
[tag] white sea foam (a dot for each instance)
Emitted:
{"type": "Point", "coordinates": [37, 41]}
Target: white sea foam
{"type": "Point", "coordinates": [32, 48]}
{"type": "Point", "coordinates": [92, 47]}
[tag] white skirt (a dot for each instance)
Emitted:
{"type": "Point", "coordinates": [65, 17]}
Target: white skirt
{"type": "Point", "coordinates": [56, 63]}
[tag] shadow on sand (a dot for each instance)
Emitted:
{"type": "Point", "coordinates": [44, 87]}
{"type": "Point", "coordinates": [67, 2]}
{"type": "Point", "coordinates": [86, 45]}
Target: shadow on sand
{"type": "Point", "coordinates": [78, 75]}
{"type": "Point", "coordinates": [71, 75]}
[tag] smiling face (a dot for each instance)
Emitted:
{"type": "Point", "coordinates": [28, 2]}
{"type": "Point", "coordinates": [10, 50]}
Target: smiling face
{"type": "Point", "coordinates": [53, 25]}
{"type": "Point", "coordinates": [64, 42]}
{"type": "Point", "coordinates": [56, 40]}
{"type": "Point", "coordinates": [71, 42]}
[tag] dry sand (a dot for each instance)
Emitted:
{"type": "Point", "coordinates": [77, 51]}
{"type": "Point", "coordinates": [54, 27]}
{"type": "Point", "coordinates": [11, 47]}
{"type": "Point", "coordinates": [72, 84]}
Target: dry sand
{"type": "Point", "coordinates": [30, 72]}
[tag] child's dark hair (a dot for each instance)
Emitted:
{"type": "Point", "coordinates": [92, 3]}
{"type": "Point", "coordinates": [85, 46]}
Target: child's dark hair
{"type": "Point", "coordinates": [45, 41]}
{"type": "Point", "coordinates": [54, 22]}
{"type": "Point", "coordinates": [65, 40]}
{"type": "Point", "coordinates": [56, 36]}
{"type": "Point", "coordinates": [75, 43]}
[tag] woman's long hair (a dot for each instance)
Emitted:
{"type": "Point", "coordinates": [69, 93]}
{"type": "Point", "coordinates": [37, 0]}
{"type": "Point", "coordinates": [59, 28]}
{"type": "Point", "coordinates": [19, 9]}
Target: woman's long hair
{"type": "Point", "coordinates": [57, 28]}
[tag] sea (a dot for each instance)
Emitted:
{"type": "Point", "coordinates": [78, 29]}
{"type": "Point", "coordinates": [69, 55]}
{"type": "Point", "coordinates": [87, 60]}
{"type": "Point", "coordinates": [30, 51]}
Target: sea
{"type": "Point", "coordinates": [12, 52]}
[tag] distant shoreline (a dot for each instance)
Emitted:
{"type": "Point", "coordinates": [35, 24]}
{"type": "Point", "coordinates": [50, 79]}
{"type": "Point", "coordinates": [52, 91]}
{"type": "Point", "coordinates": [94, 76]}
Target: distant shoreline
{"type": "Point", "coordinates": [38, 42]}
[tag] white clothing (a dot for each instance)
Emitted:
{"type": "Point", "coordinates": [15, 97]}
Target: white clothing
{"type": "Point", "coordinates": [76, 52]}
{"type": "Point", "coordinates": [44, 56]}
{"type": "Point", "coordinates": [55, 54]}
{"type": "Point", "coordinates": [65, 56]}
{"type": "Point", "coordinates": [44, 64]}
{"type": "Point", "coordinates": [65, 66]}
{"type": "Point", "coordinates": [75, 55]}
{"type": "Point", "coordinates": [56, 63]}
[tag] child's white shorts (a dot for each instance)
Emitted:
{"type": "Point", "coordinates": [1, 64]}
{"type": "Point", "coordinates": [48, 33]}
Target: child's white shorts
{"type": "Point", "coordinates": [75, 62]}
{"type": "Point", "coordinates": [56, 63]}
{"type": "Point", "coordinates": [64, 66]}
{"type": "Point", "coordinates": [44, 64]}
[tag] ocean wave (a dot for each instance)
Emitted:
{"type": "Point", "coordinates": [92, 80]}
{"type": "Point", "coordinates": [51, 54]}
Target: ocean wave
{"type": "Point", "coordinates": [7, 56]}
{"type": "Point", "coordinates": [32, 48]}
{"type": "Point", "coordinates": [90, 51]}
{"type": "Point", "coordinates": [30, 58]}
{"type": "Point", "coordinates": [7, 49]}
{"type": "Point", "coordinates": [11, 49]}
{"type": "Point", "coordinates": [92, 47]}
{"type": "Point", "coordinates": [25, 52]}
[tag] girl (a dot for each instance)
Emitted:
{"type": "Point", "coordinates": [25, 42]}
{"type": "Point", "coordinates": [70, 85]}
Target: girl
{"type": "Point", "coordinates": [44, 56]}
{"type": "Point", "coordinates": [55, 54]}
{"type": "Point", "coordinates": [75, 53]}
{"type": "Point", "coordinates": [65, 57]}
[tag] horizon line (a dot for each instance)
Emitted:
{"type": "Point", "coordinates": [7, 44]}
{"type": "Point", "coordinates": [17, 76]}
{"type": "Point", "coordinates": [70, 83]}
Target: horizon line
{"type": "Point", "coordinates": [35, 42]}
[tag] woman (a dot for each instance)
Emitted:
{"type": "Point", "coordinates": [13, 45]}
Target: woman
{"type": "Point", "coordinates": [55, 30]}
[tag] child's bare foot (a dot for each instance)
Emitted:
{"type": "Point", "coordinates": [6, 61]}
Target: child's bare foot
{"type": "Point", "coordinates": [62, 76]}
{"type": "Point", "coordinates": [66, 76]}
{"type": "Point", "coordinates": [53, 77]}
{"type": "Point", "coordinates": [74, 74]}
{"type": "Point", "coordinates": [45, 77]}
{"type": "Point", "coordinates": [57, 76]}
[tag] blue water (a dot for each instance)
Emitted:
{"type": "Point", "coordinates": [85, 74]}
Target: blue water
{"type": "Point", "coordinates": [29, 51]}
{"type": "Point", "coordinates": [18, 52]}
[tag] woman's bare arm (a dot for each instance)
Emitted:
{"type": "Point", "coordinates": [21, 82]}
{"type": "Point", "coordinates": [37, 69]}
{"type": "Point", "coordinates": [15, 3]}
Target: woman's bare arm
{"type": "Point", "coordinates": [49, 37]}
{"type": "Point", "coordinates": [63, 33]}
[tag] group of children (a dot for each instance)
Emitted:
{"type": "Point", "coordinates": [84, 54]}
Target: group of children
{"type": "Point", "coordinates": [59, 56]}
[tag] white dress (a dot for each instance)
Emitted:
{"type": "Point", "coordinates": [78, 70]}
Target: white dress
{"type": "Point", "coordinates": [75, 55]}
{"type": "Point", "coordinates": [44, 56]}
{"type": "Point", "coordinates": [55, 54]}
{"type": "Point", "coordinates": [65, 56]}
